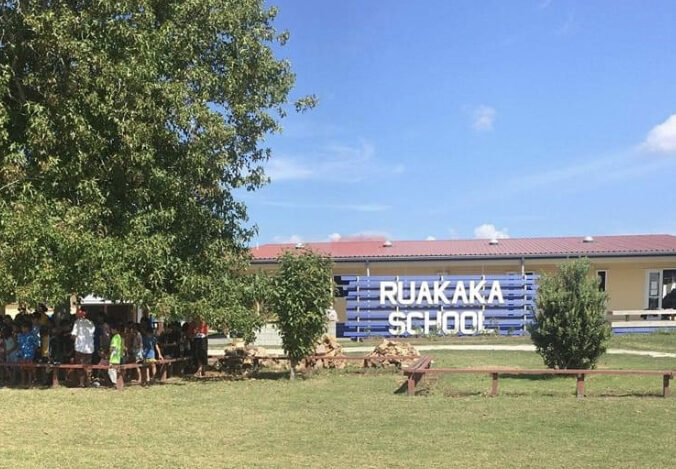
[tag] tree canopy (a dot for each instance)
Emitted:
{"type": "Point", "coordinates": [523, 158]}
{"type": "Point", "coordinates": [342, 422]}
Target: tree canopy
{"type": "Point", "coordinates": [125, 127]}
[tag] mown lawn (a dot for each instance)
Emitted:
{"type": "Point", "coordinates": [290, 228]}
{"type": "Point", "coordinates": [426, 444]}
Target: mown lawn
{"type": "Point", "coordinates": [350, 419]}
{"type": "Point", "coordinates": [660, 342]}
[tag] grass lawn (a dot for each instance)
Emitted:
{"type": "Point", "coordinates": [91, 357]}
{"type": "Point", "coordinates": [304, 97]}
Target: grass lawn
{"type": "Point", "coordinates": [660, 342]}
{"type": "Point", "coordinates": [351, 419]}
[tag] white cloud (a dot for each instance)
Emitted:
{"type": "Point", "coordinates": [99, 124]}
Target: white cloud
{"type": "Point", "coordinates": [334, 237]}
{"type": "Point", "coordinates": [280, 169]}
{"type": "Point", "coordinates": [483, 118]}
{"type": "Point", "coordinates": [430, 238]}
{"type": "Point", "coordinates": [371, 234]}
{"type": "Point", "coordinates": [293, 239]}
{"type": "Point", "coordinates": [489, 231]}
{"type": "Point", "coordinates": [345, 163]}
{"type": "Point", "coordinates": [662, 137]}
{"type": "Point", "coordinates": [367, 207]}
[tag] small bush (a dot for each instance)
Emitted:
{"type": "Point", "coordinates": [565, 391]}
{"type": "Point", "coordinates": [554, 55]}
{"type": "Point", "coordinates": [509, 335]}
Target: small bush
{"type": "Point", "coordinates": [570, 328]}
{"type": "Point", "coordinates": [302, 293]}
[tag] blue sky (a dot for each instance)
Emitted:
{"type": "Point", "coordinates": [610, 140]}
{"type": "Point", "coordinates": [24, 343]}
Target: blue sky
{"type": "Point", "coordinates": [456, 119]}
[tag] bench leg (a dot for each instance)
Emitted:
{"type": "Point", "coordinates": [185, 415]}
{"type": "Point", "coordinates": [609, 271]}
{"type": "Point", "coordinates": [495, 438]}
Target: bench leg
{"type": "Point", "coordinates": [580, 386]}
{"type": "Point", "coordinates": [410, 385]}
{"type": "Point", "coordinates": [119, 384]}
{"type": "Point", "coordinates": [55, 377]}
{"type": "Point", "coordinates": [665, 385]}
{"type": "Point", "coordinates": [494, 384]}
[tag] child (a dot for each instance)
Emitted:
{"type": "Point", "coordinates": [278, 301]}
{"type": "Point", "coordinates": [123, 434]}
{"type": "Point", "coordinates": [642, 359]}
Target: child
{"type": "Point", "coordinates": [116, 352]}
{"type": "Point", "coordinates": [2, 351]}
{"type": "Point", "coordinates": [44, 344]}
{"type": "Point", "coordinates": [28, 344]}
{"type": "Point", "coordinates": [136, 350]}
{"type": "Point", "coordinates": [151, 352]}
{"type": "Point", "coordinates": [11, 351]}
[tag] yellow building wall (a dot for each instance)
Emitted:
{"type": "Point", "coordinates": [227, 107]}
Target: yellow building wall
{"type": "Point", "coordinates": [625, 277]}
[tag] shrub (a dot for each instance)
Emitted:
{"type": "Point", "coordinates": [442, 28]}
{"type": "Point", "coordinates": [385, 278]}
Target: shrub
{"type": "Point", "coordinates": [302, 293]}
{"type": "Point", "coordinates": [570, 329]}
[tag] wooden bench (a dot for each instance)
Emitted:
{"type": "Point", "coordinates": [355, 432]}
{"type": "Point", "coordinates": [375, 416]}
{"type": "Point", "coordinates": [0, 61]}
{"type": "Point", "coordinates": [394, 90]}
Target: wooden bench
{"type": "Point", "coordinates": [163, 369]}
{"type": "Point", "coordinates": [417, 371]}
{"type": "Point", "coordinates": [666, 320]}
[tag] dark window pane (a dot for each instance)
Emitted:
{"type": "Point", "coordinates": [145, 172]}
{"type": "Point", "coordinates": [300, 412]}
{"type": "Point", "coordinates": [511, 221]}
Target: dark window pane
{"type": "Point", "coordinates": [602, 279]}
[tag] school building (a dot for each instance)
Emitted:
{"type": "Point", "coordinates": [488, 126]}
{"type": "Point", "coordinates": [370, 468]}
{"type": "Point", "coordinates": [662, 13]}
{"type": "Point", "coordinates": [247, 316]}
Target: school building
{"type": "Point", "coordinates": [637, 271]}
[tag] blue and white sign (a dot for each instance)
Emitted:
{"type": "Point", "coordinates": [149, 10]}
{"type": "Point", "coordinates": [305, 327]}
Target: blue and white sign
{"type": "Point", "coordinates": [438, 305]}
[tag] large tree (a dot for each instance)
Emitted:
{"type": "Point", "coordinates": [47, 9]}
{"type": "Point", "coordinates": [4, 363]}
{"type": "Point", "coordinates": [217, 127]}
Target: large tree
{"type": "Point", "coordinates": [125, 127]}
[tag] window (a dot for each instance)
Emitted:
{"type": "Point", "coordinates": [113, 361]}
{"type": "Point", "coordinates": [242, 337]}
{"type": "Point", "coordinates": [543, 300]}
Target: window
{"type": "Point", "coordinates": [602, 275]}
{"type": "Point", "coordinates": [661, 289]}
{"type": "Point", "coordinates": [669, 289]}
{"type": "Point", "coordinates": [654, 289]}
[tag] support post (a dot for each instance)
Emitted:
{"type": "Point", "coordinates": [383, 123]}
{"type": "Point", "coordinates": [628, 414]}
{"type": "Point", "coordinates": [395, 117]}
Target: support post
{"type": "Point", "coordinates": [580, 386]}
{"type": "Point", "coordinates": [665, 385]}
{"type": "Point", "coordinates": [410, 385]}
{"type": "Point", "coordinates": [494, 384]}
{"type": "Point", "coordinates": [55, 377]}
{"type": "Point", "coordinates": [120, 379]}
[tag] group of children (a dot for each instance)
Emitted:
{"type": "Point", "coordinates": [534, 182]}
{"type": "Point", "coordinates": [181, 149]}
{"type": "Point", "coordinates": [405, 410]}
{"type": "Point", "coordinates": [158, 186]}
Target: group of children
{"type": "Point", "coordinates": [39, 338]}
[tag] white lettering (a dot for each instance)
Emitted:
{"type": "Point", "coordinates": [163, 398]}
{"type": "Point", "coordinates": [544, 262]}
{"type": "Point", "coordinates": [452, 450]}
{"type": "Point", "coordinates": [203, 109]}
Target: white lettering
{"type": "Point", "coordinates": [496, 292]}
{"type": "Point", "coordinates": [476, 293]}
{"type": "Point", "coordinates": [411, 294]}
{"type": "Point", "coordinates": [401, 322]}
{"type": "Point", "coordinates": [460, 293]}
{"type": "Point", "coordinates": [409, 321]}
{"type": "Point", "coordinates": [444, 322]}
{"type": "Point", "coordinates": [471, 315]}
{"type": "Point", "coordinates": [424, 294]}
{"type": "Point", "coordinates": [388, 290]}
{"type": "Point", "coordinates": [439, 292]}
{"type": "Point", "coordinates": [397, 320]}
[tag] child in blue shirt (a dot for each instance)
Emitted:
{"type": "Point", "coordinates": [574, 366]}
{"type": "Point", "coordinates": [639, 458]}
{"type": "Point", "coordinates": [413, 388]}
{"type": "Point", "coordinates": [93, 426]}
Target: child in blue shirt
{"type": "Point", "coordinates": [28, 344]}
{"type": "Point", "coordinates": [151, 352]}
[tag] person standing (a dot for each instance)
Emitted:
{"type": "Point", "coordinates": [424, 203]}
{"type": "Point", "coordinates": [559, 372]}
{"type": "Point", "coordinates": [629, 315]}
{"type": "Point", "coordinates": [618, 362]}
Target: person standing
{"type": "Point", "coordinates": [83, 333]}
{"type": "Point", "coordinates": [28, 344]}
{"type": "Point", "coordinates": [201, 346]}
{"type": "Point", "coordinates": [116, 353]}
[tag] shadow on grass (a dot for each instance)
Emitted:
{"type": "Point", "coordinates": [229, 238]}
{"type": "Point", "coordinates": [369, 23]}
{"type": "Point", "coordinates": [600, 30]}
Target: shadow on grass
{"type": "Point", "coordinates": [606, 395]}
{"type": "Point", "coordinates": [535, 377]}
{"type": "Point", "coordinates": [402, 389]}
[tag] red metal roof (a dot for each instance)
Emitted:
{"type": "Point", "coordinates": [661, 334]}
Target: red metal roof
{"type": "Point", "coordinates": [623, 245]}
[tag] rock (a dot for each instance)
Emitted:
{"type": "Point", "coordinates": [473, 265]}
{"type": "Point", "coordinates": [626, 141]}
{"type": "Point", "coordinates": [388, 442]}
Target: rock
{"type": "Point", "coordinates": [328, 347]}
{"type": "Point", "coordinates": [398, 354]}
{"type": "Point", "coordinates": [241, 358]}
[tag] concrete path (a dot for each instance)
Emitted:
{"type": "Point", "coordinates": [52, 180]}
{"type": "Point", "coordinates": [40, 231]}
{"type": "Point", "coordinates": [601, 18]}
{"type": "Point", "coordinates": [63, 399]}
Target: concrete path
{"type": "Point", "coordinates": [490, 348]}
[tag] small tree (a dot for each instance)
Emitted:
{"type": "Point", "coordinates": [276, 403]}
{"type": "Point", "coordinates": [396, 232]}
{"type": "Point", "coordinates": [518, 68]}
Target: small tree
{"type": "Point", "coordinates": [302, 293]}
{"type": "Point", "coordinates": [570, 329]}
